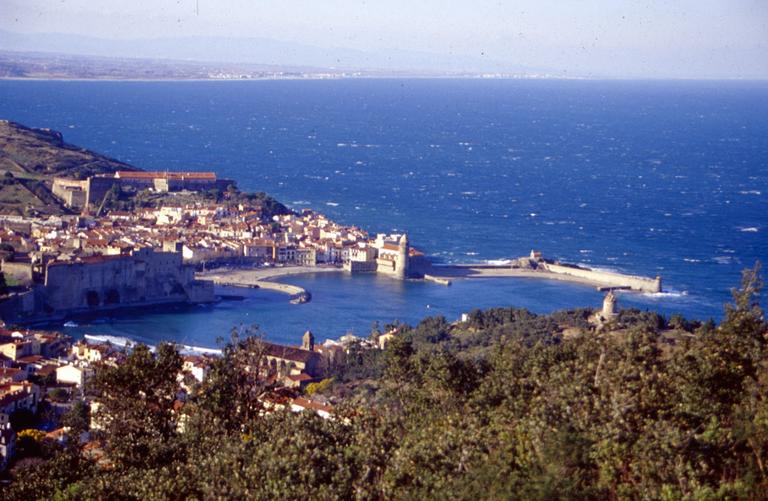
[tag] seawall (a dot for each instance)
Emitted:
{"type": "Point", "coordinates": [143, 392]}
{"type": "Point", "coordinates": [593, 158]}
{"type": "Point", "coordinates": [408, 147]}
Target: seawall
{"type": "Point", "coordinates": [583, 276]}
{"type": "Point", "coordinates": [610, 279]}
{"type": "Point", "coordinates": [258, 279]}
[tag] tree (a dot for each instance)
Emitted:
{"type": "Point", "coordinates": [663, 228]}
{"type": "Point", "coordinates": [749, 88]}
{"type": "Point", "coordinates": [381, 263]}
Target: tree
{"type": "Point", "coordinates": [29, 442]}
{"type": "Point", "coordinates": [136, 400]}
{"type": "Point", "coordinates": [229, 397]}
{"type": "Point", "coordinates": [77, 419]}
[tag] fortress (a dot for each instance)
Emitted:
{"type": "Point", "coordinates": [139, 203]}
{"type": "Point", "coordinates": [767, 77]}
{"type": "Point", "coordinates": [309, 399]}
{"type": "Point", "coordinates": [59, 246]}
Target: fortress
{"type": "Point", "coordinates": [100, 283]}
{"type": "Point", "coordinates": [79, 194]}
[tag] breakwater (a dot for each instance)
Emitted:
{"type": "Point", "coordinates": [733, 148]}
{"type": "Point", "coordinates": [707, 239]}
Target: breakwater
{"type": "Point", "coordinates": [553, 271]}
{"type": "Point", "coordinates": [607, 278]}
{"type": "Point", "coordinates": [259, 279]}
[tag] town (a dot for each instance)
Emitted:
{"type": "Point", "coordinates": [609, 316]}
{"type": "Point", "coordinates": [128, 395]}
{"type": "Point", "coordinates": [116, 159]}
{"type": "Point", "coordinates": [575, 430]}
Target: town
{"type": "Point", "coordinates": [62, 265]}
{"type": "Point", "coordinates": [45, 374]}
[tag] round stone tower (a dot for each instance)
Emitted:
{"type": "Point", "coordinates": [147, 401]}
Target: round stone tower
{"type": "Point", "coordinates": [609, 306]}
{"type": "Point", "coordinates": [308, 341]}
{"type": "Point", "coordinates": [401, 265]}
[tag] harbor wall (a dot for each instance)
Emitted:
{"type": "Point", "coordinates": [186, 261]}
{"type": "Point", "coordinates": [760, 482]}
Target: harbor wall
{"type": "Point", "coordinates": [642, 284]}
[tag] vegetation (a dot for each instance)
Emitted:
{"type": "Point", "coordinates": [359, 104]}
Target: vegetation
{"type": "Point", "coordinates": [31, 158]}
{"type": "Point", "coordinates": [125, 200]}
{"type": "Point", "coordinates": [504, 406]}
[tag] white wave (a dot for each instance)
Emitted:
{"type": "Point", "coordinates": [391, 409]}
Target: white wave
{"type": "Point", "coordinates": [750, 192]}
{"type": "Point", "coordinates": [199, 349]}
{"type": "Point", "coordinates": [723, 259]}
{"type": "Point", "coordinates": [498, 262]}
{"type": "Point", "coordinates": [665, 294]}
{"type": "Point", "coordinates": [604, 269]}
{"type": "Point", "coordinates": [300, 202]}
{"type": "Point", "coordinates": [116, 340]}
{"type": "Point", "coordinates": [749, 229]}
{"type": "Point", "coordinates": [471, 253]}
{"type": "Point", "coordinates": [332, 204]}
{"type": "Point", "coordinates": [70, 323]}
{"type": "Point", "coordinates": [691, 260]}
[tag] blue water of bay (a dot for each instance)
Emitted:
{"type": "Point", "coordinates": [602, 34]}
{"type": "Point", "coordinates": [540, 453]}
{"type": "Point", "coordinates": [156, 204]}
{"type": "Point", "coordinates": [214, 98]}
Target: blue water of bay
{"type": "Point", "coordinates": [649, 178]}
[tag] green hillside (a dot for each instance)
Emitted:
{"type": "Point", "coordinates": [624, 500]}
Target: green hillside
{"type": "Point", "coordinates": [31, 158]}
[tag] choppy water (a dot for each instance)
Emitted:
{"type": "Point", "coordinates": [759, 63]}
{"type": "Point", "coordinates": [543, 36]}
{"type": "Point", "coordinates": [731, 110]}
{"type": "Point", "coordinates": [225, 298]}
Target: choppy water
{"type": "Point", "coordinates": [650, 178]}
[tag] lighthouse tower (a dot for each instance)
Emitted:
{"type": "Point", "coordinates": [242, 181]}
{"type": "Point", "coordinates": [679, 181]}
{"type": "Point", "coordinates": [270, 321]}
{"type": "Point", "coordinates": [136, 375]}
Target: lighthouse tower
{"type": "Point", "coordinates": [401, 265]}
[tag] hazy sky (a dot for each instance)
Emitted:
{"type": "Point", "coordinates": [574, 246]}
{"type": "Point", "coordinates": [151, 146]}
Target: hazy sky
{"type": "Point", "coordinates": [623, 37]}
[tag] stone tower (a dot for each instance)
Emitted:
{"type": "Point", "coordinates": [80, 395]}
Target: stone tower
{"type": "Point", "coordinates": [308, 341]}
{"type": "Point", "coordinates": [609, 306]}
{"type": "Point", "coordinates": [401, 266]}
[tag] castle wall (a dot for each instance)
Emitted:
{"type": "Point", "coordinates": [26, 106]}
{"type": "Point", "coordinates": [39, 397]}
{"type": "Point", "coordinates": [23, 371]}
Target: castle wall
{"type": "Point", "coordinates": [98, 186]}
{"type": "Point", "coordinates": [146, 277]}
{"type": "Point", "coordinates": [612, 279]}
{"type": "Point", "coordinates": [360, 266]}
{"type": "Point", "coordinates": [72, 191]}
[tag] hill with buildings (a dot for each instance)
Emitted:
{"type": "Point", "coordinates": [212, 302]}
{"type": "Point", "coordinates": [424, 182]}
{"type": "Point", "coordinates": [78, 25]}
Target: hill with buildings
{"type": "Point", "coordinates": [41, 174]}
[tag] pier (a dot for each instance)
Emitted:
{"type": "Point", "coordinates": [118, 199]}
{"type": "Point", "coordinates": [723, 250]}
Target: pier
{"type": "Point", "coordinates": [260, 279]}
{"type": "Point", "coordinates": [601, 280]}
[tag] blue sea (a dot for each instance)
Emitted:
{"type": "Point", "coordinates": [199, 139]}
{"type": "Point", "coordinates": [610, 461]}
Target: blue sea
{"type": "Point", "coordinates": [643, 177]}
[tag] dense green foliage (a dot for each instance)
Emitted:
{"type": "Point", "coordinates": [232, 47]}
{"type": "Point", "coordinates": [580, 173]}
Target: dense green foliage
{"type": "Point", "coordinates": [504, 406]}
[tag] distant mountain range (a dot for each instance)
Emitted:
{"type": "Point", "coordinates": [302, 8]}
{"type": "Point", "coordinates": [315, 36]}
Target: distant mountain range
{"type": "Point", "coordinates": [260, 51]}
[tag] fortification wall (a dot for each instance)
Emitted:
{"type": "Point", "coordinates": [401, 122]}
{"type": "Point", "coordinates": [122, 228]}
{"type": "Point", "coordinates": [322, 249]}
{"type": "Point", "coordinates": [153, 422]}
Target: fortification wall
{"type": "Point", "coordinates": [108, 282]}
{"type": "Point", "coordinates": [72, 191]}
{"type": "Point", "coordinates": [360, 266]}
{"type": "Point", "coordinates": [98, 187]}
{"type": "Point", "coordinates": [643, 284]}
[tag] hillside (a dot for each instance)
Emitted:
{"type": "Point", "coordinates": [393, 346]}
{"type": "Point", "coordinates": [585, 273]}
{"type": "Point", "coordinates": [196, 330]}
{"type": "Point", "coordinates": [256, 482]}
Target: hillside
{"type": "Point", "coordinates": [43, 152]}
{"type": "Point", "coordinates": [31, 158]}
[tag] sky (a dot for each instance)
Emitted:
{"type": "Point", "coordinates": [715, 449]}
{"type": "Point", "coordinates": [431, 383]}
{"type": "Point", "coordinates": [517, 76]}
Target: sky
{"type": "Point", "coordinates": [632, 38]}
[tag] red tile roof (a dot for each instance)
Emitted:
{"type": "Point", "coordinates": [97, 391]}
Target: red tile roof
{"type": "Point", "coordinates": [209, 176]}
